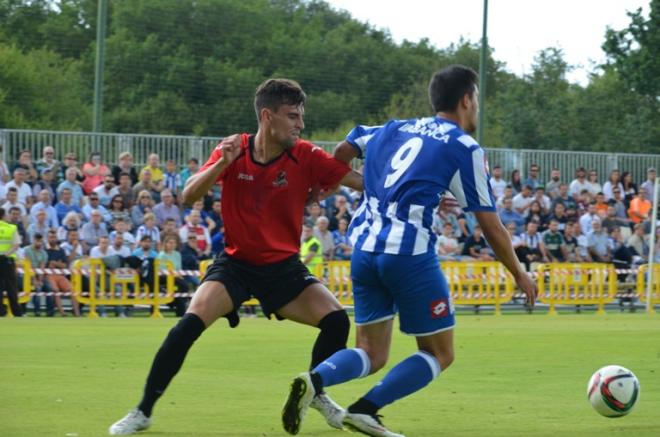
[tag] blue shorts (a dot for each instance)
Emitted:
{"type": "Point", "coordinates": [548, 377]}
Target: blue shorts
{"type": "Point", "coordinates": [413, 285]}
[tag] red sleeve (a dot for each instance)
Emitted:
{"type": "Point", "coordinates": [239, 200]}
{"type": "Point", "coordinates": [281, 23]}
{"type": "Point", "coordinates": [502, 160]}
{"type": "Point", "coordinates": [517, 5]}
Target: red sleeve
{"type": "Point", "coordinates": [326, 170]}
{"type": "Point", "coordinates": [217, 154]}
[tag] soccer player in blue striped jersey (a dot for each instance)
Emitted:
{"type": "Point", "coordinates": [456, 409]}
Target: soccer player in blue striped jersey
{"type": "Point", "coordinates": [408, 166]}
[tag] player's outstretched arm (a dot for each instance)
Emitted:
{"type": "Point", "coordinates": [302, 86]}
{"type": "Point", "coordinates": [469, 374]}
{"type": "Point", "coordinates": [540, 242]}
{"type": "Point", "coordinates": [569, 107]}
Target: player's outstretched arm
{"type": "Point", "coordinates": [345, 152]}
{"type": "Point", "coordinates": [500, 242]}
{"type": "Point", "coordinates": [200, 183]}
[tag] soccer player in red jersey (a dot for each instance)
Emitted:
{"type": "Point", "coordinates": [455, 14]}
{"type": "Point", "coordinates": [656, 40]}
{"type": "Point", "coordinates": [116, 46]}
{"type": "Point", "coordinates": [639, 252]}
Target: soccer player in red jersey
{"type": "Point", "coordinates": [266, 180]}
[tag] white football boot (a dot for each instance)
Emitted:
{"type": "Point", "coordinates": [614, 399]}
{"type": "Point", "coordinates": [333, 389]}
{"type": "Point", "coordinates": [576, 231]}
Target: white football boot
{"type": "Point", "coordinates": [300, 397]}
{"type": "Point", "coordinates": [133, 422]}
{"type": "Point", "coordinates": [368, 424]}
{"type": "Point", "coordinates": [333, 413]}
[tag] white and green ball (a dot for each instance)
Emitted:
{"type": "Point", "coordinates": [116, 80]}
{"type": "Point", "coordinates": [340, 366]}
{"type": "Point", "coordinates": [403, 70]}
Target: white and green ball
{"type": "Point", "coordinates": [613, 391]}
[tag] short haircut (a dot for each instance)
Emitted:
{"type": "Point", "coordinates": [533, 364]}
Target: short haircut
{"type": "Point", "coordinates": [449, 85]}
{"type": "Point", "coordinates": [145, 238]}
{"type": "Point", "coordinates": [123, 173]}
{"type": "Point", "coordinates": [123, 155]}
{"type": "Point", "coordinates": [195, 160]}
{"type": "Point", "coordinates": [12, 190]}
{"type": "Point", "coordinates": [274, 93]}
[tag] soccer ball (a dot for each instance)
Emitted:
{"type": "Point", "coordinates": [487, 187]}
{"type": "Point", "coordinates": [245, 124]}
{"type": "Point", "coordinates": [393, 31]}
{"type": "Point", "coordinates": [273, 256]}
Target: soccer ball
{"type": "Point", "coordinates": [613, 391]}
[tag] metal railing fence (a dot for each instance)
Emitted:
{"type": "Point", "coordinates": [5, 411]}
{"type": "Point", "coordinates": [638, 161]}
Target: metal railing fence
{"type": "Point", "coordinates": [181, 148]}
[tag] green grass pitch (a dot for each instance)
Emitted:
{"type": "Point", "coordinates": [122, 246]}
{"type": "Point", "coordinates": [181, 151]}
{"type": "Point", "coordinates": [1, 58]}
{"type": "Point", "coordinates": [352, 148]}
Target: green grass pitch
{"type": "Point", "coordinates": [514, 375]}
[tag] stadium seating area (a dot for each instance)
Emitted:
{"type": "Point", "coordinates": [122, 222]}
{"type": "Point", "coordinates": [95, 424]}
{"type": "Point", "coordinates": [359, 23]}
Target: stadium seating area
{"type": "Point", "coordinates": [128, 216]}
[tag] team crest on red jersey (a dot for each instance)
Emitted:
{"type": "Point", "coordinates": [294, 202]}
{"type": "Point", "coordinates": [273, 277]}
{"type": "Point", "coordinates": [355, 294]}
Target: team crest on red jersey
{"type": "Point", "coordinates": [280, 180]}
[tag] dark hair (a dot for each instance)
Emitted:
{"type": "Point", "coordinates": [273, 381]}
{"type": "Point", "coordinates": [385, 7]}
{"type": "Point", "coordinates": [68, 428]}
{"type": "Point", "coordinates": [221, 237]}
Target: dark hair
{"type": "Point", "coordinates": [449, 85]}
{"type": "Point", "coordinates": [273, 93]}
{"type": "Point", "coordinates": [195, 160]}
{"type": "Point", "coordinates": [123, 173]}
{"type": "Point", "coordinates": [145, 238]}
{"type": "Point", "coordinates": [2, 213]}
{"type": "Point", "coordinates": [12, 190]}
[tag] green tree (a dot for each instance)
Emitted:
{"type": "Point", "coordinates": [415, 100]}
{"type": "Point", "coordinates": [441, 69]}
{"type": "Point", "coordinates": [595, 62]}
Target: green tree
{"type": "Point", "coordinates": [635, 51]}
{"type": "Point", "coordinates": [40, 90]}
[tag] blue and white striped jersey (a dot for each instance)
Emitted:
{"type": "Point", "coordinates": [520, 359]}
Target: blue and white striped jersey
{"type": "Point", "coordinates": [408, 165]}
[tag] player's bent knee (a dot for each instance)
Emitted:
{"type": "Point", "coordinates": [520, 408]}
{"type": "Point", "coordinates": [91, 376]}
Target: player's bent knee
{"type": "Point", "coordinates": [338, 326]}
{"type": "Point", "coordinates": [444, 356]}
{"type": "Point", "coordinates": [378, 359]}
{"type": "Point", "coordinates": [211, 301]}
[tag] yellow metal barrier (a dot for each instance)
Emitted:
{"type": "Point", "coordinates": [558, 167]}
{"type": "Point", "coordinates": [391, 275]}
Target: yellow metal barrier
{"type": "Point", "coordinates": [338, 280]}
{"type": "Point", "coordinates": [642, 280]}
{"type": "Point", "coordinates": [24, 292]}
{"type": "Point", "coordinates": [576, 284]}
{"type": "Point", "coordinates": [478, 282]}
{"type": "Point", "coordinates": [119, 292]}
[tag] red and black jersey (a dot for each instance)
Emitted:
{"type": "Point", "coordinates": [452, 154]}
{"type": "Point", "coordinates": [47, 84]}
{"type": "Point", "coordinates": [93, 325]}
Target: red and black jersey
{"type": "Point", "coordinates": [263, 204]}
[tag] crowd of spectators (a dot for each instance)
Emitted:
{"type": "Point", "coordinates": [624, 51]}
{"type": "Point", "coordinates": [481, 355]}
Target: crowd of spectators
{"type": "Point", "coordinates": [559, 220]}
{"type": "Point", "coordinates": [126, 216]}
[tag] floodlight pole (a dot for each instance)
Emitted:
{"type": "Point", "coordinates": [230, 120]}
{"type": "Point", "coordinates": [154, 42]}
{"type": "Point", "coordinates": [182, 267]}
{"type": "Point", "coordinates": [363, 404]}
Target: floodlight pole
{"type": "Point", "coordinates": [482, 76]}
{"type": "Point", "coordinates": [654, 219]}
{"type": "Point", "coordinates": [97, 115]}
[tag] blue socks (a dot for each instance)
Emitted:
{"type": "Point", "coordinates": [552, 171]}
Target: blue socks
{"type": "Point", "coordinates": [410, 375]}
{"type": "Point", "coordinates": [343, 366]}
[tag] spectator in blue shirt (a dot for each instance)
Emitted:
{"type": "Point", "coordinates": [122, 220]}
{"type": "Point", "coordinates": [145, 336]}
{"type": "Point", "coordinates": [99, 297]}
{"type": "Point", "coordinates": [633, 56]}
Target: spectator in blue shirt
{"type": "Point", "coordinates": [72, 184]}
{"type": "Point", "coordinates": [533, 177]}
{"type": "Point", "coordinates": [44, 204]}
{"type": "Point", "coordinates": [509, 215]}
{"type": "Point", "coordinates": [193, 166]}
{"type": "Point", "coordinates": [172, 178]}
{"type": "Point", "coordinates": [343, 246]}
{"type": "Point", "coordinates": [144, 249]}
{"type": "Point", "coordinates": [66, 205]}
{"type": "Point", "coordinates": [95, 205]}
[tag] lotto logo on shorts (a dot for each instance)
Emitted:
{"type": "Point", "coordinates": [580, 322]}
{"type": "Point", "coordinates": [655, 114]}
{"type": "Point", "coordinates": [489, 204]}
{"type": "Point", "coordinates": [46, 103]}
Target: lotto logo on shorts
{"type": "Point", "coordinates": [439, 308]}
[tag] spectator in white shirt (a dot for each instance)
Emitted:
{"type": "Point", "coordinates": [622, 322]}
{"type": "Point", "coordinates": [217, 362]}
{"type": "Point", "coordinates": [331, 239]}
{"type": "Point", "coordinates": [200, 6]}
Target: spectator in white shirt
{"type": "Point", "coordinates": [193, 227]}
{"type": "Point", "coordinates": [23, 190]}
{"type": "Point", "coordinates": [150, 229]}
{"type": "Point", "coordinates": [73, 247]}
{"type": "Point", "coordinates": [119, 248]}
{"type": "Point", "coordinates": [44, 204]}
{"type": "Point", "coordinates": [579, 183]}
{"type": "Point", "coordinates": [543, 200]}
{"type": "Point", "coordinates": [497, 184]}
{"type": "Point", "coordinates": [107, 190]}
{"type": "Point", "coordinates": [12, 201]}
{"type": "Point", "coordinates": [586, 220]}
{"type": "Point", "coordinates": [523, 200]}
{"type": "Point", "coordinates": [614, 182]}
{"type": "Point", "coordinates": [121, 228]}
{"type": "Point", "coordinates": [103, 249]}
{"type": "Point", "coordinates": [447, 245]}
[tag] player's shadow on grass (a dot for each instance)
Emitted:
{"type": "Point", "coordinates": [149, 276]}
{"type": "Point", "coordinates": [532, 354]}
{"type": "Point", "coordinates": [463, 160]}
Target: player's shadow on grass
{"type": "Point", "coordinates": [237, 433]}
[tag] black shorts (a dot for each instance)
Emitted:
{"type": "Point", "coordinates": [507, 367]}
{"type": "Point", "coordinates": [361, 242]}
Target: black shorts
{"type": "Point", "coordinates": [274, 285]}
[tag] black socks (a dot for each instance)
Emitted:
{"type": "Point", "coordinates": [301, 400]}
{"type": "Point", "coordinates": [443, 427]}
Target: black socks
{"type": "Point", "coordinates": [169, 358]}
